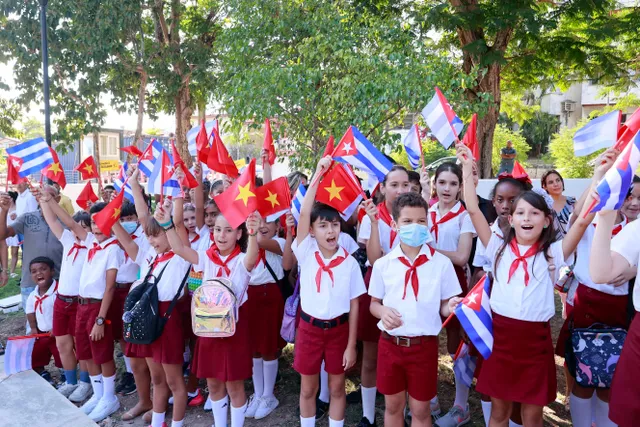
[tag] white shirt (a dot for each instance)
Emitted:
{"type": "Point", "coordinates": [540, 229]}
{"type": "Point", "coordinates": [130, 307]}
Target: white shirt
{"type": "Point", "coordinates": [449, 232]}
{"type": "Point", "coordinates": [333, 299]}
{"type": "Point", "coordinates": [129, 271]}
{"type": "Point", "coordinates": [384, 231]}
{"type": "Point", "coordinates": [176, 269]}
{"type": "Point", "coordinates": [480, 259]}
{"type": "Point", "coordinates": [44, 318]}
{"type": "Point", "coordinates": [93, 280]}
{"type": "Point", "coordinates": [347, 242]}
{"type": "Point", "coordinates": [532, 303]}
{"type": "Point", "coordinates": [239, 275]}
{"type": "Point", "coordinates": [26, 203]}
{"type": "Point", "coordinates": [260, 275]}
{"type": "Point", "coordinates": [282, 242]}
{"type": "Point", "coordinates": [70, 270]}
{"type": "Point", "coordinates": [437, 281]}
{"type": "Point", "coordinates": [202, 239]}
{"type": "Point", "coordinates": [626, 244]}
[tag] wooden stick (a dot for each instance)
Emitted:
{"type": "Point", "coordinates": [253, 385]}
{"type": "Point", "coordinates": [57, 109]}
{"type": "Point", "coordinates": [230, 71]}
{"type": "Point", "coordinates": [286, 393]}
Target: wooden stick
{"type": "Point", "coordinates": [22, 337]}
{"type": "Point", "coordinates": [448, 319]}
{"type": "Point", "coordinates": [593, 204]}
{"type": "Point", "coordinates": [455, 356]}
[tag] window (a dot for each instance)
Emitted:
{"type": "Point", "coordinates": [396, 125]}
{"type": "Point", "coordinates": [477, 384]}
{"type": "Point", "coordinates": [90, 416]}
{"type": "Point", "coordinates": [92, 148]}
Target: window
{"type": "Point", "coordinates": [103, 145]}
{"type": "Point", "coordinates": [113, 146]}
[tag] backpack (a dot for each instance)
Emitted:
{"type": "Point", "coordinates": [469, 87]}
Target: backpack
{"type": "Point", "coordinates": [288, 328]}
{"type": "Point", "coordinates": [214, 309]}
{"type": "Point", "coordinates": [142, 323]}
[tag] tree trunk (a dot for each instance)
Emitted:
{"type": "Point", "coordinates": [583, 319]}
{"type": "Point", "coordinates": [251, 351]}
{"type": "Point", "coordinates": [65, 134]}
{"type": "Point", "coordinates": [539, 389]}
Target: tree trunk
{"type": "Point", "coordinates": [137, 138]}
{"type": "Point", "coordinates": [96, 153]}
{"type": "Point", "coordinates": [183, 122]}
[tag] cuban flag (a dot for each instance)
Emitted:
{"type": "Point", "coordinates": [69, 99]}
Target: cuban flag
{"type": "Point", "coordinates": [17, 356]}
{"type": "Point", "coordinates": [443, 122]}
{"type": "Point", "coordinates": [474, 314]}
{"type": "Point", "coordinates": [356, 150]}
{"type": "Point", "coordinates": [464, 364]}
{"type": "Point", "coordinates": [614, 187]}
{"type": "Point", "coordinates": [147, 165]}
{"type": "Point", "coordinates": [296, 203]}
{"type": "Point", "coordinates": [599, 133]}
{"type": "Point", "coordinates": [35, 155]}
{"type": "Point", "coordinates": [118, 182]}
{"type": "Point", "coordinates": [413, 147]}
{"type": "Point", "coordinates": [193, 132]}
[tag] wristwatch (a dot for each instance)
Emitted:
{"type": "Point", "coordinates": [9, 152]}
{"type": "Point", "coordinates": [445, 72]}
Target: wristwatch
{"type": "Point", "coordinates": [99, 321]}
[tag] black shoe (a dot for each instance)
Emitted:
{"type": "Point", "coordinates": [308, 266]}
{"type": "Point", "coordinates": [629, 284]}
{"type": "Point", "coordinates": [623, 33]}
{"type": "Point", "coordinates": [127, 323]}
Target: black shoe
{"type": "Point", "coordinates": [127, 384]}
{"type": "Point", "coordinates": [322, 409]}
{"type": "Point", "coordinates": [47, 377]}
{"type": "Point", "coordinates": [354, 397]}
{"type": "Point", "coordinates": [364, 422]}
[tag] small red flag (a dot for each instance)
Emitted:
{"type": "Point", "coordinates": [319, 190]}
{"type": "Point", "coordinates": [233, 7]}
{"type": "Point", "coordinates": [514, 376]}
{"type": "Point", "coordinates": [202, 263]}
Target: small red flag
{"type": "Point", "coordinates": [54, 171]}
{"type": "Point", "coordinates": [202, 143]}
{"type": "Point", "coordinates": [274, 198]}
{"type": "Point", "coordinates": [88, 168]}
{"type": "Point", "coordinates": [268, 142]}
{"type": "Point", "coordinates": [86, 195]}
{"type": "Point", "coordinates": [328, 150]}
{"type": "Point", "coordinates": [338, 189]}
{"type": "Point", "coordinates": [238, 201]}
{"type": "Point", "coordinates": [189, 180]}
{"type": "Point", "coordinates": [628, 130]}
{"type": "Point", "coordinates": [471, 139]}
{"type": "Point", "coordinates": [219, 159]}
{"type": "Point", "coordinates": [519, 173]}
{"type": "Point", "coordinates": [167, 168]}
{"type": "Point", "coordinates": [13, 167]}
{"type": "Point", "coordinates": [110, 214]}
{"type": "Point", "coordinates": [133, 150]}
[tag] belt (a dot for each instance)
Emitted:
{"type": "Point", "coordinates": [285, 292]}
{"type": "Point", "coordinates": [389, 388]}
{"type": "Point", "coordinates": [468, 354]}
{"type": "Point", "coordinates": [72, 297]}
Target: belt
{"type": "Point", "coordinates": [66, 299]}
{"type": "Point", "coordinates": [325, 324]}
{"type": "Point", "coordinates": [123, 285]}
{"type": "Point", "coordinates": [405, 341]}
{"type": "Point", "coordinates": [85, 301]}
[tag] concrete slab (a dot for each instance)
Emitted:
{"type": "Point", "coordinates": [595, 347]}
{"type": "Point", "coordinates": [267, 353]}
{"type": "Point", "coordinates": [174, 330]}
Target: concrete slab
{"type": "Point", "coordinates": [10, 304]}
{"type": "Point", "coordinates": [29, 401]}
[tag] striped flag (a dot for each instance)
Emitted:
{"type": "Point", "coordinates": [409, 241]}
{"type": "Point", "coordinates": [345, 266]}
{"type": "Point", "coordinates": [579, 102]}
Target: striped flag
{"type": "Point", "coordinates": [474, 314]}
{"type": "Point", "coordinates": [17, 355]}
{"type": "Point", "coordinates": [35, 156]}
{"type": "Point", "coordinates": [413, 147]}
{"type": "Point", "coordinates": [464, 365]}
{"type": "Point", "coordinates": [599, 133]}
{"type": "Point", "coordinates": [443, 122]}
{"type": "Point", "coordinates": [296, 203]}
{"type": "Point", "coordinates": [118, 182]}
{"type": "Point", "coordinates": [193, 132]}
{"type": "Point", "coordinates": [356, 150]}
{"type": "Point", "coordinates": [147, 165]}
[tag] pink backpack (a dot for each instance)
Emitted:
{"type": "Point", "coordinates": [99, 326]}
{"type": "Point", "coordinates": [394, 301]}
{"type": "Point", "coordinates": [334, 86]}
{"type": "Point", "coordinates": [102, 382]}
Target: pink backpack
{"type": "Point", "coordinates": [288, 329]}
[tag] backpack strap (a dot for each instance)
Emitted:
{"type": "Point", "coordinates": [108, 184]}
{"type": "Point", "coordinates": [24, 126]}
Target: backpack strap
{"type": "Point", "coordinates": [273, 274]}
{"type": "Point", "coordinates": [174, 301]}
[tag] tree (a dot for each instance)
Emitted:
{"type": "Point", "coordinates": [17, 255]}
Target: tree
{"type": "Point", "coordinates": [32, 128]}
{"type": "Point", "coordinates": [538, 131]}
{"type": "Point", "coordinates": [9, 113]}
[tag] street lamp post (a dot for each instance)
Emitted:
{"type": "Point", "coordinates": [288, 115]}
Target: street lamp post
{"type": "Point", "coordinates": [45, 70]}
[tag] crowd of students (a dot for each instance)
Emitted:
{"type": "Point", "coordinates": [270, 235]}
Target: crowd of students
{"type": "Point", "coordinates": [387, 276]}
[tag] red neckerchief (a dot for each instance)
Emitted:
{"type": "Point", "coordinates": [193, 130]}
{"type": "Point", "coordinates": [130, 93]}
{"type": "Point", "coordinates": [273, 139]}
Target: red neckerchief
{"type": "Point", "coordinates": [412, 274]}
{"type": "Point", "coordinates": [618, 227]}
{"type": "Point", "coordinates": [449, 215]}
{"type": "Point", "coordinates": [96, 247]}
{"type": "Point", "coordinates": [327, 268]}
{"type": "Point", "coordinates": [161, 258]}
{"type": "Point", "coordinates": [76, 247]}
{"type": "Point", "coordinates": [521, 259]}
{"type": "Point", "coordinates": [262, 256]}
{"type": "Point", "coordinates": [384, 215]}
{"type": "Point", "coordinates": [214, 256]}
{"type": "Point", "coordinates": [195, 239]}
{"type": "Point", "coordinates": [40, 299]}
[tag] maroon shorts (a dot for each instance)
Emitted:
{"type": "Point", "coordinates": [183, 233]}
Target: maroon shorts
{"type": "Point", "coordinates": [64, 317]}
{"type": "Point", "coordinates": [592, 306]}
{"type": "Point", "coordinates": [624, 403]}
{"type": "Point", "coordinates": [314, 344]}
{"type": "Point", "coordinates": [225, 359]}
{"type": "Point", "coordinates": [266, 308]}
{"type": "Point", "coordinates": [521, 367]}
{"type": "Point", "coordinates": [367, 324]}
{"type": "Point", "coordinates": [43, 349]}
{"type": "Point", "coordinates": [115, 311]}
{"type": "Point", "coordinates": [169, 347]}
{"type": "Point", "coordinates": [414, 368]}
{"type": "Point", "coordinates": [99, 351]}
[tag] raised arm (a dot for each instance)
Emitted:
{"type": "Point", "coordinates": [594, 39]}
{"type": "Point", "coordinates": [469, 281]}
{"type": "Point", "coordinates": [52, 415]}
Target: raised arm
{"type": "Point", "coordinates": [307, 204]}
{"type": "Point", "coordinates": [199, 196]}
{"type": "Point", "coordinates": [288, 259]}
{"type": "Point", "coordinates": [163, 216]}
{"type": "Point", "coordinates": [128, 244]}
{"type": "Point", "coordinates": [266, 167]}
{"type": "Point", "coordinates": [606, 158]}
{"type": "Point", "coordinates": [5, 204]}
{"type": "Point", "coordinates": [251, 256]}
{"type": "Point", "coordinates": [63, 216]}
{"type": "Point", "coordinates": [48, 214]}
{"type": "Point", "coordinates": [605, 265]}
{"type": "Point", "coordinates": [373, 247]}
{"type": "Point", "coordinates": [483, 230]}
{"type": "Point", "coordinates": [142, 210]}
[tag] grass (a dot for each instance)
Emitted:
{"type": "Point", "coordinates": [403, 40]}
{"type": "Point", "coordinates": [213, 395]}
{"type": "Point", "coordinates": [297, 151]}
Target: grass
{"type": "Point", "coordinates": [13, 287]}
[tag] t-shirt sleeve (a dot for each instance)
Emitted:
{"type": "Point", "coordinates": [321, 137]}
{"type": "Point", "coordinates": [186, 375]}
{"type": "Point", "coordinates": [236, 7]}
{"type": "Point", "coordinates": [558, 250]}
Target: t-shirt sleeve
{"type": "Point", "coordinates": [115, 258]}
{"type": "Point", "coordinates": [357, 283]}
{"type": "Point", "coordinates": [467, 225]}
{"type": "Point", "coordinates": [479, 258]}
{"type": "Point", "coordinates": [18, 224]}
{"type": "Point", "coordinates": [492, 248]}
{"type": "Point", "coordinates": [348, 243]}
{"type": "Point", "coordinates": [240, 278]}
{"type": "Point", "coordinates": [67, 239]}
{"type": "Point", "coordinates": [376, 283]}
{"type": "Point", "coordinates": [31, 303]}
{"type": "Point", "coordinates": [449, 284]}
{"type": "Point", "coordinates": [365, 230]}
{"type": "Point", "coordinates": [281, 242]}
{"type": "Point", "coordinates": [626, 244]}
{"type": "Point", "coordinates": [302, 250]}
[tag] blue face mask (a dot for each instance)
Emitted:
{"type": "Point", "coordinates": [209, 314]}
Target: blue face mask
{"type": "Point", "coordinates": [414, 234]}
{"type": "Point", "coordinates": [129, 226]}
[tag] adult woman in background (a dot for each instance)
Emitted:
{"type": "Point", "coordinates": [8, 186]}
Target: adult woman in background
{"type": "Point", "coordinates": [563, 205]}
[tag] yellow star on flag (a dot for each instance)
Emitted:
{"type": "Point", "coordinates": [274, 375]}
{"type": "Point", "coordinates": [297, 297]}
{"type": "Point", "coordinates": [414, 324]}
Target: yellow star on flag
{"type": "Point", "coordinates": [244, 193]}
{"type": "Point", "coordinates": [116, 213]}
{"type": "Point", "coordinates": [334, 191]}
{"type": "Point", "coordinates": [273, 199]}
{"type": "Point", "coordinates": [89, 169]}
{"type": "Point", "coordinates": [55, 168]}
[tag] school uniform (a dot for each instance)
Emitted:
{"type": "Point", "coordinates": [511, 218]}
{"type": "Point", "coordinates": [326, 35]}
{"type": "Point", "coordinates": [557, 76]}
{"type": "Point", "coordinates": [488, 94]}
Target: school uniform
{"type": "Point", "coordinates": [521, 367]}
{"type": "Point", "coordinates": [100, 258]}
{"type": "Point", "coordinates": [199, 241]}
{"type": "Point", "coordinates": [624, 405]}
{"type": "Point", "coordinates": [230, 358]}
{"type": "Point", "coordinates": [327, 287]}
{"type": "Point", "coordinates": [42, 307]}
{"type": "Point", "coordinates": [480, 259]}
{"type": "Point", "coordinates": [408, 354]}
{"type": "Point", "coordinates": [65, 306]}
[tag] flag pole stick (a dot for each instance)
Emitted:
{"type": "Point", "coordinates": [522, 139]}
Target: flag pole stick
{"type": "Point", "coordinates": [455, 356]}
{"type": "Point", "coordinates": [448, 319]}
{"type": "Point", "coordinates": [593, 204]}
{"type": "Point", "coordinates": [21, 337]}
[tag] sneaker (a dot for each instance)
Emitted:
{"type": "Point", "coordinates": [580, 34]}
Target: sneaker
{"type": "Point", "coordinates": [207, 405]}
{"type": "Point", "coordinates": [354, 397]}
{"type": "Point", "coordinates": [104, 409]}
{"type": "Point", "coordinates": [266, 406]}
{"type": "Point", "coordinates": [81, 393]}
{"type": "Point", "coordinates": [197, 400]}
{"type": "Point", "coordinates": [127, 385]}
{"type": "Point", "coordinates": [435, 409]}
{"type": "Point", "coordinates": [364, 422]}
{"type": "Point", "coordinates": [252, 406]}
{"type": "Point", "coordinates": [66, 389]}
{"type": "Point", "coordinates": [47, 377]}
{"type": "Point", "coordinates": [90, 405]}
{"type": "Point", "coordinates": [455, 417]}
{"type": "Point", "coordinates": [322, 409]}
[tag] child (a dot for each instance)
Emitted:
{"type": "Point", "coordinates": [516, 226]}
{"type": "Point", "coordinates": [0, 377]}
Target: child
{"type": "Point", "coordinates": [39, 312]}
{"type": "Point", "coordinates": [631, 206]}
{"type": "Point", "coordinates": [224, 362]}
{"type": "Point", "coordinates": [330, 283]}
{"type": "Point", "coordinates": [409, 306]}
{"type": "Point", "coordinates": [414, 182]}
{"type": "Point", "coordinates": [521, 367]}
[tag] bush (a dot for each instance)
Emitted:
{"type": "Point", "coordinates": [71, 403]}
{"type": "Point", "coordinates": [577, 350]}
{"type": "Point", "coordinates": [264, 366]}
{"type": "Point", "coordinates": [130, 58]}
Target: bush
{"type": "Point", "coordinates": [500, 138]}
{"type": "Point", "coordinates": [564, 159]}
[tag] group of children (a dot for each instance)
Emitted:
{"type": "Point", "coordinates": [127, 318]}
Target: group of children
{"type": "Point", "coordinates": [410, 268]}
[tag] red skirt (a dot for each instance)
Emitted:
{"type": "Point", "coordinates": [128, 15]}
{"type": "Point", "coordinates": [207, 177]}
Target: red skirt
{"type": "Point", "coordinates": [43, 349]}
{"type": "Point", "coordinates": [169, 347]}
{"type": "Point", "coordinates": [115, 311]}
{"type": "Point", "coordinates": [624, 402]}
{"type": "Point", "coordinates": [64, 318]}
{"type": "Point", "coordinates": [265, 308]}
{"type": "Point", "coordinates": [139, 351]}
{"type": "Point", "coordinates": [521, 367]}
{"type": "Point", "coordinates": [592, 306]}
{"type": "Point", "coordinates": [225, 359]}
{"type": "Point", "coordinates": [367, 324]}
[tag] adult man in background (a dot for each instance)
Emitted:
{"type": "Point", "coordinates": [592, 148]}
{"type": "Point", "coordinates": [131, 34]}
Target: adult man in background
{"type": "Point", "coordinates": [25, 201]}
{"type": "Point", "coordinates": [508, 158]}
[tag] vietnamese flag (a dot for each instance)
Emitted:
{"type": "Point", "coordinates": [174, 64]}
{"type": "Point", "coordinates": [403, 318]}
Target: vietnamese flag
{"type": "Point", "coordinates": [219, 159]}
{"type": "Point", "coordinates": [268, 142]}
{"type": "Point", "coordinates": [338, 189]}
{"type": "Point", "coordinates": [328, 150]}
{"type": "Point", "coordinates": [110, 214]}
{"type": "Point", "coordinates": [202, 143]}
{"type": "Point", "coordinates": [86, 195]}
{"type": "Point", "coordinates": [54, 171]}
{"type": "Point", "coordinates": [274, 198]}
{"type": "Point", "coordinates": [189, 180]}
{"type": "Point", "coordinates": [238, 201]}
{"type": "Point", "coordinates": [131, 149]}
{"type": "Point", "coordinates": [88, 168]}
{"type": "Point", "coordinates": [470, 137]}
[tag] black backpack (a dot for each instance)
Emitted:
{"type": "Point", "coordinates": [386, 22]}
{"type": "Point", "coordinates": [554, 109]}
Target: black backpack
{"type": "Point", "coordinates": [142, 322]}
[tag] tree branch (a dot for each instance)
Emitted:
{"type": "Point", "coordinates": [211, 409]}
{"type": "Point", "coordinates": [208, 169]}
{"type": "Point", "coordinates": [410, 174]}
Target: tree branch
{"type": "Point", "coordinates": [158, 11]}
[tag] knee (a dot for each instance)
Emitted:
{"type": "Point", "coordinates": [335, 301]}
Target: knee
{"type": "Point", "coordinates": [500, 412]}
{"type": "Point", "coordinates": [176, 384]}
{"type": "Point", "coordinates": [139, 366]}
{"type": "Point", "coordinates": [394, 408]}
{"type": "Point", "coordinates": [370, 363]}
{"type": "Point", "coordinates": [64, 346]}
{"type": "Point", "coordinates": [158, 379]}
{"type": "Point", "coordinates": [236, 390]}
{"type": "Point", "coordinates": [337, 393]}
{"type": "Point", "coordinates": [308, 392]}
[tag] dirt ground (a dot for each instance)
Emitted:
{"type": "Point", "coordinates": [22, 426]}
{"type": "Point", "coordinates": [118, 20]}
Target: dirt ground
{"type": "Point", "coordinates": [287, 390]}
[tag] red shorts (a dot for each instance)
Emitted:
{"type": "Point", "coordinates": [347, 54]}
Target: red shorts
{"type": "Point", "coordinates": [624, 404]}
{"type": "Point", "coordinates": [64, 317]}
{"type": "Point", "coordinates": [225, 359]}
{"type": "Point", "coordinates": [367, 324]}
{"type": "Point", "coordinates": [266, 308]}
{"type": "Point", "coordinates": [314, 344]}
{"type": "Point", "coordinates": [43, 349]}
{"type": "Point", "coordinates": [115, 311]}
{"type": "Point", "coordinates": [169, 347]}
{"type": "Point", "coordinates": [414, 368]}
{"type": "Point", "coordinates": [99, 351]}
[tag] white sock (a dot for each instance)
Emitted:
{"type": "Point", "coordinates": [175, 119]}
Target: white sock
{"type": "Point", "coordinates": [486, 411]}
{"type": "Point", "coordinates": [97, 385]}
{"type": "Point", "coordinates": [157, 418]}
{"type": "Point", "coordinates": [219, 409]}
{"type": "Point", "coordinates": [462, 393]}
{"type": "Point", "coordinates": [177, 423]}
{"type": "Point", "coordinates": [580, 411]}
{"type": "Point", "coordinates": [258, 377]}
{"type": "Point", "coordinates": [324, 384]}
{"type": "Point", "coordinates": [270, 375]}
{"type": "Point", "coordinates": [368, 403]}
{"type": "Point", "coordinates": [192, 393]}
{"type": "Point", "coordinates": [308, 422]}
{"type": "Point", "coordinates": [513, 424]}
{"type": "Point", "coordinates": [109, 387]}
{"type": "Point", "coordinates": [334, 423]}
{"type": "Point", "coordinates": [594, 397]}
{"type": "Point", "coordinates": [434, 401]}
{"type": "Point", "coordinates": [237, 415]}
{"type": "Point", "coordinates": [127, 364]}
{"type": "Point", "coordinates": [602, 414]}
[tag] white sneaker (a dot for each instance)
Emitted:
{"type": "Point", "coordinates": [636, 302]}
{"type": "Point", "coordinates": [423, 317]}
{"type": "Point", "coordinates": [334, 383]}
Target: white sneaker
{"type": "Point", "coordinates": [90, 405]}
{"type": "Point", "coordinates": [252, 406]}
{"type": "Point", "coordinates": [66, 389]}
{"type": "Point", "coordinates": [171, 400]}
{"type": "Point", "coordinates": [266, 406]}
{"type": "Point", "coordinates": [104, 409]}
{"type": "Point", "coordinates": [456, 417]}
{"type": "Point", "coordinates": [207, 405]}
{"type": "Point", "coordinates": [81, 393]}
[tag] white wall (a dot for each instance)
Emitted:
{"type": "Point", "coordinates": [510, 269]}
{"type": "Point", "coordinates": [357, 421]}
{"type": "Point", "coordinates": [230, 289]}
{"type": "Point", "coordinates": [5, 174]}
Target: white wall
{"type": "Point", "coordinates": [573, 187]}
